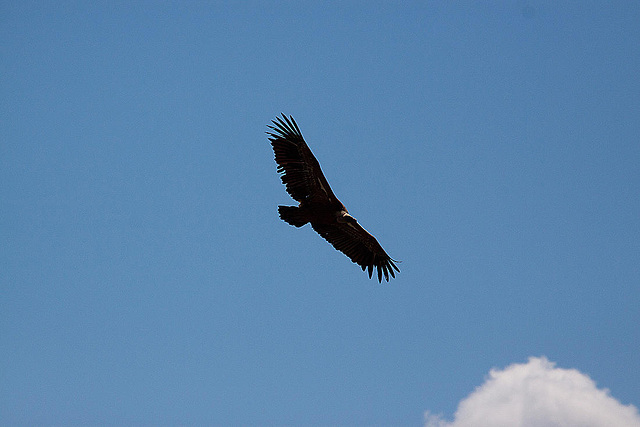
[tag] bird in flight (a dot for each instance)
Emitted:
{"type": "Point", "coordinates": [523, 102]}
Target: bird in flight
{"type": "Point", "coordinates": [305, 182]}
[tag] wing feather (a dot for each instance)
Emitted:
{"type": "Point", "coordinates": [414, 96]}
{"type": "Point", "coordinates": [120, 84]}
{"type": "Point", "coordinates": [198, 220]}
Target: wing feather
{"type": "Point", "coordinates": [300, 170]}
{"type": "Point", "coordinates": [360, 246]}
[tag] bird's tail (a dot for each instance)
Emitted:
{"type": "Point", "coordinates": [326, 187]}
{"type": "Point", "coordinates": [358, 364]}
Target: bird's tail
{"type": "Point", "coordinates": [292, 215]}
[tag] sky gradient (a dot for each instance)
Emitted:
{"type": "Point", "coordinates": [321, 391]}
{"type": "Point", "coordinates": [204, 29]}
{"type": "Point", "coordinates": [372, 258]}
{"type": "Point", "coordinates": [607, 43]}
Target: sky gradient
{"type": "Point", "coordinates": [492, 147]}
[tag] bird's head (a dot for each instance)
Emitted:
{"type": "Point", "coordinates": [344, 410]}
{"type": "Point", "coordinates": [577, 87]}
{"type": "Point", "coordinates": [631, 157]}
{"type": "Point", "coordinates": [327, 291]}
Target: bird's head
{"type": "Point", "coordinates": [344, 217]}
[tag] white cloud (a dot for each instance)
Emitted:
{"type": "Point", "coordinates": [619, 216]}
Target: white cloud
{"type": "Point", "coordinates": [537, 394]}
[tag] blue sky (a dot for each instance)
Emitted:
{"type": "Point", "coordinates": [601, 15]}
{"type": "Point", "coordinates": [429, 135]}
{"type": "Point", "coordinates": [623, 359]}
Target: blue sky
{"type": "Point", "coordinates": [146, 278]}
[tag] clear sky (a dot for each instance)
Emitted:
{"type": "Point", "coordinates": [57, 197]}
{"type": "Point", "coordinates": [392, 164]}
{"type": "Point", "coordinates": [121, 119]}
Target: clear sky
{"type": "Point", "coordinates": [146, 278]}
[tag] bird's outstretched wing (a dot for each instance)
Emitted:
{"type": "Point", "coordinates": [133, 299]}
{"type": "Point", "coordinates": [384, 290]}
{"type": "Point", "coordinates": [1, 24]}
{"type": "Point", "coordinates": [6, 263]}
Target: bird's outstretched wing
{"type": "Point", "coordinates": [360, 246]}
{"type": "Point", "coordinates": [301, 173]}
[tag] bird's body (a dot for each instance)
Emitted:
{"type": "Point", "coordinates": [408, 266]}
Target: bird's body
{"type": "Point", "coordinates": [305, 182]}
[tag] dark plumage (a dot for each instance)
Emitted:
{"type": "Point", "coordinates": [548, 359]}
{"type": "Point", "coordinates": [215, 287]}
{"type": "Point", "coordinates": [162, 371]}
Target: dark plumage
{"type": "Point", "coordinates": [305, 182]}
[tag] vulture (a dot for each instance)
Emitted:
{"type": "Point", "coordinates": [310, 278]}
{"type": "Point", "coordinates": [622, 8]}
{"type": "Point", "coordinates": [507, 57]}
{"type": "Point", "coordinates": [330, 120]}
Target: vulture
{"type": "Point", "coordinates": [317, 205]}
